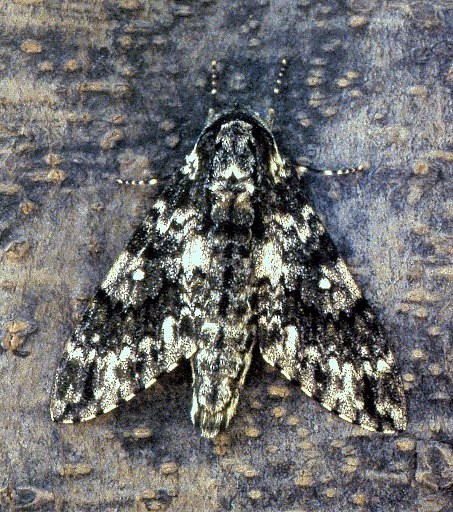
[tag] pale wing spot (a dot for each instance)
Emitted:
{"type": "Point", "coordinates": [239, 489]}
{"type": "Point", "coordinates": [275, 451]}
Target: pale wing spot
{"type": "Point", "coordinates": [111, 364]}
{"type": "Point", "coordinates": [75, 353]}
{"type": "Point", "coordinates": [272, 363]}
{"type": "Point", "coordinates": [129, 397]}
{"type": "Point", "coordinates": [307, 212]}
{"type": "Point", "coordinates": [303, 232]}
{"type": "Point", "coordinates": [292, 339]}
{"type": "Point", "coordinates": [145, 345]}
{"type": "Point", "coordinates": [138, 275]}
{"type": "Point", "coordinates": [182, 216]}
{"type": "Point", "coordinates": [235, 171]}
{"type": "Point", "coordinates": [232, 408]}
{"type": "Point", "coordinates": [194, 410]}
{"type": "Point", "coordinates": [160, 206]}
{"type": "Point", "coordinates": [74, 396]}
{"type": "Point", "coordinates": [333, 365]}
{"type": "Point", "coordinates": [125, 354]}
{"type": "Point", "coordinates": [286, 221]}
{"type": "Point", "coordinates": [126, 388]}
{"type": "Point", "coordinates": [368, 368]}
{"type": "Point", "coordinates": [285, 373]}
{"type": "Point", "coordinates": [249, 187]}
{"type": "Point", "coordinates": [192, 165]}
{"type": "Point", "coordinates": [216, 186]}
{"type": "Point", "coordinates": [324, 284]}
{"type": "Point", "coordinates": [109, 408]}
{"type": "Point", "coordinates": [390, 358]}
{"type": "Point", "coordinates": [116, 270]}
{"type": "Point", "coordinates": [190, 349]}
{"type": "Point", "coordinates": [163, 223]}
{"type": "Point", "coordinates": [148, 225]}
{"type": "Point", "coordinates": [347, 292]}
{"type": "Point", "coordinates": [87, 417]}
{"type": "Point", "coordinates": [196, 255]}
{"type": "Point", "coordinates": [349, 403]}
{"type": "Point", "coordinates": [125, 264]}
{"type": "Point", "coordinates": [172, 367]}
{"type": "Point", "coordinates": [269, 263]}
{"type": "Point", "coordinates": [149, 383]}
{"type": "Point", "coordinates": [312, 353]}
{"type": "Point", "coordinates": [243, 198]}
{"type": "Point", "coordinates": [210, 326]}
{"type": "Point", "coordinates": [98, 392]}
{"type": "Point", "coordinates": [348, 379]}
{"type": "Point", "coordinates": [186, 311]}
{"type": "Point", "coordinates": [367, 423]}
{"type": "Point", "coordinates": [168, 330]}
{"type": "Point", "coordinates": [382, 366]}
{"type": "Point", "coordinates": [398, 416]}
{"type": "Point", "coordinates": [307, 391]}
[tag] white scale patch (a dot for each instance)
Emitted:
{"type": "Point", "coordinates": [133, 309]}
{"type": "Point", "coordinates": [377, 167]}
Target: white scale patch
{"type": "Point", "coordinates": [138, 275]}
{"type": "Point", "coordinates": [349, 403]}
{"type": "Point", "coordinates": [192, 164]}
{"type": "Point", "coordinates": [160, 206]}
{"type": "Point", "coordinates": [125, 354]}
{"type": "Point", "coordinates": [292, 340]}
{"type": "Point", "coordinates": [168, 330]}
{"type": "Point", "coordinates": [347, 293]}
{"type": "Point", "coordinates": [324, 284]}
{"type": "Point", "coordinates": [288, 222]}
{"type": "Point", "coordinates": [382, 366]}
{"type": "Point", "coordinates": [114, 283]}
{"type": "Point", "coordinates": [307, 212]}
{"type": "Point", "coordinates": [235, 171]}
{"type": "Point", "coordinates": [195, 255]}
{"type": "Point", "coordinates": [269, 263]}
{"type": "Point", "coordinates": [333, 365]}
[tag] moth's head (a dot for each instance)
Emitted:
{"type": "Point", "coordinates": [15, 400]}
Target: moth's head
{"type": "Point", "coordinates": [235, 151]}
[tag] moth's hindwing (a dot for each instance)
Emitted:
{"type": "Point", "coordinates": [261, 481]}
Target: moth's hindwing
{"type": "Point", "coordinates": [232, 254]}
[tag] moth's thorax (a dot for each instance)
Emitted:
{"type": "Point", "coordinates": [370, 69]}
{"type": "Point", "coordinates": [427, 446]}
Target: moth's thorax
{"type": "Point", "coordinates": [235, 152]}
{"type": "Point", "coordinates": [235, 165]}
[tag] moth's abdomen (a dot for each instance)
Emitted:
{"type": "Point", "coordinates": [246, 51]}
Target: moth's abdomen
{"type": "Point", "coordinates": [219, 369]}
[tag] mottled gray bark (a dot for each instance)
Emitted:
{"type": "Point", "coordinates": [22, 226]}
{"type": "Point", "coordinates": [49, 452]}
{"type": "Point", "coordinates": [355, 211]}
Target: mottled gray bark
{"type": "Point", "coordinates": [90, 91]}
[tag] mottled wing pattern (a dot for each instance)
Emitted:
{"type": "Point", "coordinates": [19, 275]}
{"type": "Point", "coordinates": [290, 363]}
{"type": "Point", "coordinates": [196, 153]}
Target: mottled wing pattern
{"type": "Point", "coordinates": [138, 324]}
{"type": "Point", "coordinates": [314, 324]}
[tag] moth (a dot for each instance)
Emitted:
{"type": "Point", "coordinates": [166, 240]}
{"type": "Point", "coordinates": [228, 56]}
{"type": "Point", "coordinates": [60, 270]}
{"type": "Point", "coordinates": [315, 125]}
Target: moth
{"type": "Point", "coordinates": [231, 255]}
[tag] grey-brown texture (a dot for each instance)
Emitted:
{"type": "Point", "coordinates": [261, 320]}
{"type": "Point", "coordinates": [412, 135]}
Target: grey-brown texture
{"type": "Point", "coordinates": [90, 91]}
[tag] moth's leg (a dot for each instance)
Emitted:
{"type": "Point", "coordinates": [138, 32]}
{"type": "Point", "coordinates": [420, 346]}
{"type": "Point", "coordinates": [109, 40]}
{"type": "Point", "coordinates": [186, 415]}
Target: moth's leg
{"type": "Point", "coordinates": [302, 170]}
